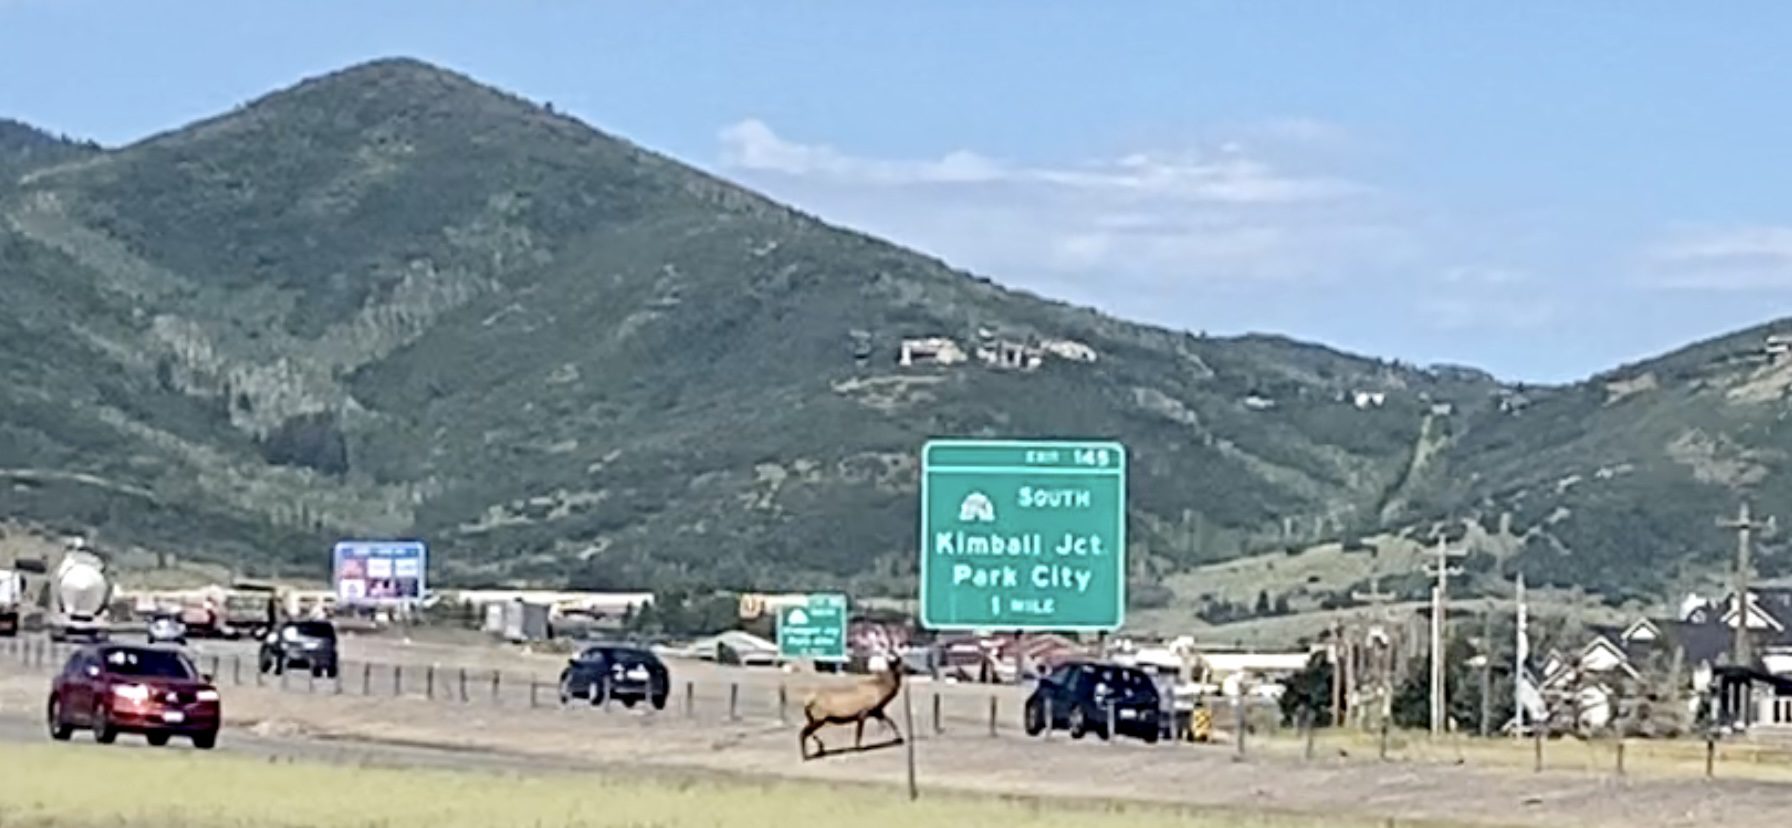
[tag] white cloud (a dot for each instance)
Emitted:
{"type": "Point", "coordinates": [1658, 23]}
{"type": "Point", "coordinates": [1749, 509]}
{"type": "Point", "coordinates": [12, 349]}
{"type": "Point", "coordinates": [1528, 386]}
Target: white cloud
{"type": "Point", "coordinates": [1461, 313]}
{"type": "Point", "coordinates": [1490, 275]}
{"type": "Point", "coordinates": [1723, 259]}
{"type": "Point", "coordinates": [1222, 176]}
{"type": "Point", "coordinates": [1223, 234]}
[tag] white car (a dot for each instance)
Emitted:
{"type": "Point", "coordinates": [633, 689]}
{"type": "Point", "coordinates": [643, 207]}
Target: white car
{"type": "Point", "coordinates": [167, 629]}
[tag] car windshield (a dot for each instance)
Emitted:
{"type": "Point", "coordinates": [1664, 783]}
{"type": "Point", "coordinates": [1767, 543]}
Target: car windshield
{"type": "Point", "coordinates": [1120, 680]}
{"type": "Point", "coordinates": [618, 655]}
{"type": "Point", "coordinates": [148, 664]}
{"type": "Point", "coordinates": [315, 629]}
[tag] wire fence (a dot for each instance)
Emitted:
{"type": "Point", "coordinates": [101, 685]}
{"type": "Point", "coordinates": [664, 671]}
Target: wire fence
{"type": "Point", "coordinates": [1245, 732]}
{"type": "Point", "coordinates": [711, 701]}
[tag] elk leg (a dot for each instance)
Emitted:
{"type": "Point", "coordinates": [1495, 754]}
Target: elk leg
{"type": "Point", "coordinates": [889, 724]}
{"type": "Point", "coordinates": [858, 736]}
{"type": "Point", "coordinates": [802, 741]}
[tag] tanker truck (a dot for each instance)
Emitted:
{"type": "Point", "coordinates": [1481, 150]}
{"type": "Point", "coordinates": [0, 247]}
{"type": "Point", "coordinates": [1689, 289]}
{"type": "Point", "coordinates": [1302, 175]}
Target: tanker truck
{"type": "Point", "coordinates": [12, 601]}
{"type": "Point", "coordinates": [79, 594]}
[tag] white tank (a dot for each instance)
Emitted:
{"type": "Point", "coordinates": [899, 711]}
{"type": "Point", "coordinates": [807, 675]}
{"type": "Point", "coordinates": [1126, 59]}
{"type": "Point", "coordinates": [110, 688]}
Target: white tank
{"type": "Point", "coordinates": [82, 588]}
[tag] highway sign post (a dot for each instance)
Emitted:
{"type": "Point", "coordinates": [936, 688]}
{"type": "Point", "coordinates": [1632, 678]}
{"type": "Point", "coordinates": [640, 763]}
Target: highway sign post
{"type": "Point", "coordinates": [814, 630]}
{"type": "Point", "coordinates": [1023, 535]}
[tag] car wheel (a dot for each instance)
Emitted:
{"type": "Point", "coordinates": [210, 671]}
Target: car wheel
{"type": "Point", "coordinates": [1151, 736]}
{"type": "Point", "coordinates": [205, 741]}
{"type": "Point", "coordinates": [566, 694]}
{"type": "Point", "coordinates": [1079, 726]}
{"type": "Point", "coordinates": [330, 672]}
{"type": "Point", "coordinates": [629, 702]}
{"type": "Point", "coordinates": [103, 731]}
{"type": "Point", "coordinates": [317, 671]}
{"type": "Point", "coordinates": [659, 702]}
{"type": "Point", "coordinates": [156, 739]}
{"type": "Point", "coordinates": [59, 730]}
{"type": "Point", "coordinates": [1035, 719]}
{"type": "Point", "coordinates": [600, 692]}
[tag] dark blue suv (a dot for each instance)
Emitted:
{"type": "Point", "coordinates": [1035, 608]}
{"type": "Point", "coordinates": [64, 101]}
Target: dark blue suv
{"type": "Point", "coordinates": [1084, 696]}
{"type": "Point", "coordinates": [616, 671]}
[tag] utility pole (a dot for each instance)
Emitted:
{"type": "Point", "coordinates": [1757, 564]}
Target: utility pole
{"type": "Point", "coordinates": [1744, 524]}
{"type": "Point", "coordinates": [1521, 654]}
{"type": "Point", "coordinates": [1442, 570]}
{"type": "Point", "coordinates": [1486, 656]}
{"type": "Point", "coordinates": [1384, 665]}
{"type": "Point", "coordinates": [1340, 671]}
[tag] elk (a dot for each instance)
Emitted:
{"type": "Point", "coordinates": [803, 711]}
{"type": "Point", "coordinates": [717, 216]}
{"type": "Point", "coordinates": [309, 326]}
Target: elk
{"type": "Point", "coordinates": [864, 700]}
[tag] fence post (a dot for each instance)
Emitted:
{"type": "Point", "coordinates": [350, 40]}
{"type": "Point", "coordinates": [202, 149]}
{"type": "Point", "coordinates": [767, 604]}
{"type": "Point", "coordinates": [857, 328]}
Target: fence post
{"type": "Point", "coordinates": [215, 668]}
{"type": "Point", "coordinates": [992, 715]}
{"type": "Point", "coordinates": [497, 686]}
{"type": "Point", "coordinates": [1537, 749]}
{"type": "Point", "coordinates": [733, 701]}
{"type": "Point", "coordinates": [1306, 729]}
{"type": "Point", "coordinates": [236, 670]}
{"type": "Point", "coordinates": [1620, 755]}
{"type": "Point", "coordinates": [1051, 718]}
{"type": "Point", "coordinates": [463, 685]}
{"type": "Point", "coordinates": [397, 681]}
{"type": "Point", "coordinates": [1113, 735]}
{"type": "Point", "coordinates": [367, 679]}
{"type": "Point", "coordinates": [429, 683]}
{"type": "Point", "coordinates": [939, 724]}
{"type": "Point", "coordinates": [284, 672]}
{"type": "Point", "coordinates": [1384, 737]}
{"type": "Point", "coordinates": [1710, 755]}
{"type": "Point", "coordinates": [534, 690]}
{"type": "Point", "coordinates": [310, 680]}
{"type": "Point", "coordinates": [783, 704]}
{"type": "Point", "coordinates": [1238, 719]}
{"type": "Point", "coordinates": [690, 699]}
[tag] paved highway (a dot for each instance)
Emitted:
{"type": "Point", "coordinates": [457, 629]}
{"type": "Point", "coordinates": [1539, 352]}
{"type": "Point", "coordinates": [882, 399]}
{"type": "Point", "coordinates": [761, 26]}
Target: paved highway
{"type": "Point", "coordinates": [19, 728]}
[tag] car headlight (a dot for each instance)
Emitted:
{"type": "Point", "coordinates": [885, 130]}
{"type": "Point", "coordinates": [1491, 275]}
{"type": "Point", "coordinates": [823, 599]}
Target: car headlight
{"type": "Point", "coordinates": [131, 692]}
{"type": "Point", "coordinates": [207, 695]}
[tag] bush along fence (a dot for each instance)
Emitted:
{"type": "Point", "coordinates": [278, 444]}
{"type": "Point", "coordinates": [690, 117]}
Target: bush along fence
{"type": "Point", "coordinates": [962, 711]}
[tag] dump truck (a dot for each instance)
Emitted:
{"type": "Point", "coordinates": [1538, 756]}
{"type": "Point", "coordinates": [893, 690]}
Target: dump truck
{"type": "Point", "coordinates": [79, 595]}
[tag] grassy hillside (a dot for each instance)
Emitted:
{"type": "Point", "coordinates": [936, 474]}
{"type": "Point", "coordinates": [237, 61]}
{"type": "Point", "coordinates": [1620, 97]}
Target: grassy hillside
{"type": "Point", "coordinates": [391, 301]}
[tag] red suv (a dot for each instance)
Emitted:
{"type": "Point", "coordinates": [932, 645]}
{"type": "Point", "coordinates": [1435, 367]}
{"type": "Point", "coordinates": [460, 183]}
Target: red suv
{"type": "Point", "coordinates": [113, 689]}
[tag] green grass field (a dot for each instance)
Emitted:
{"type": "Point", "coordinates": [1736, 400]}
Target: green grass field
{"type": "Point", "coordinates": [80, 787]}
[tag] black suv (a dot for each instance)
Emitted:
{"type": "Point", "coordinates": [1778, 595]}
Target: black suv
{"type": "Point", "coordinates": [307, 644]}
{"type": "Point", "coordinates": [625, 673]}
{"type": "Point", "coordinates": [1078, 695]}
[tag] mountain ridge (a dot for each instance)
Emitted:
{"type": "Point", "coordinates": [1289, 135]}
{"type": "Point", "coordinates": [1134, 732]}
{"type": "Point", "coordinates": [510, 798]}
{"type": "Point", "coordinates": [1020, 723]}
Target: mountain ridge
{"type": "Point", "coordinates": [390, 299]}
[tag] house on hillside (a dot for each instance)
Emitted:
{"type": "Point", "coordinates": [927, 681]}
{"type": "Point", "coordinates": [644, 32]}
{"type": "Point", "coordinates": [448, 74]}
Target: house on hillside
{"type": "Point", "coordinates": [937, 350]}
{"type": "Point", "coordinates": [1778, 347]}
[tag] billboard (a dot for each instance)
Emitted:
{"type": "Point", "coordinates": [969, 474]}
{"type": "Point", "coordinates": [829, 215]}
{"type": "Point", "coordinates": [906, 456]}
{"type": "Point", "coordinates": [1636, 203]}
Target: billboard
{"type": "Point", "coordinates": [380, 572]}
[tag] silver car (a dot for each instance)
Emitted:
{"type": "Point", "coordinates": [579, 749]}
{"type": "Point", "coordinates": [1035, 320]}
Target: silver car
{"type": "Point", "coordinates": [167, 629]}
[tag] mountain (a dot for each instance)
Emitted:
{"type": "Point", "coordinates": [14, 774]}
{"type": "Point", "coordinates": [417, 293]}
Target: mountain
{"type": "Point", "coordinates": [392, 301]}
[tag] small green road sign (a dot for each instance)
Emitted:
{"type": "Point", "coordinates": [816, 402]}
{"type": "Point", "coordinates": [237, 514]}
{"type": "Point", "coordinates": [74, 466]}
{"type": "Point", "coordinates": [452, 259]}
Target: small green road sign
{"type": "Point", "coordinates": [814, 629]}
{"type": "Point", "coordinates": [1023, 535]}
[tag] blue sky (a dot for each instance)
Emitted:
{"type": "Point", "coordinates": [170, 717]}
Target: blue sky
{"type": "Point", "coordinates": [1544, 190]}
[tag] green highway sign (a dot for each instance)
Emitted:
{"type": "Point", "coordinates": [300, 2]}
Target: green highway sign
{"type": "Point", "coordinates": [1023, 535]}
{"type": "Point", "coordinates": [814, 629]}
